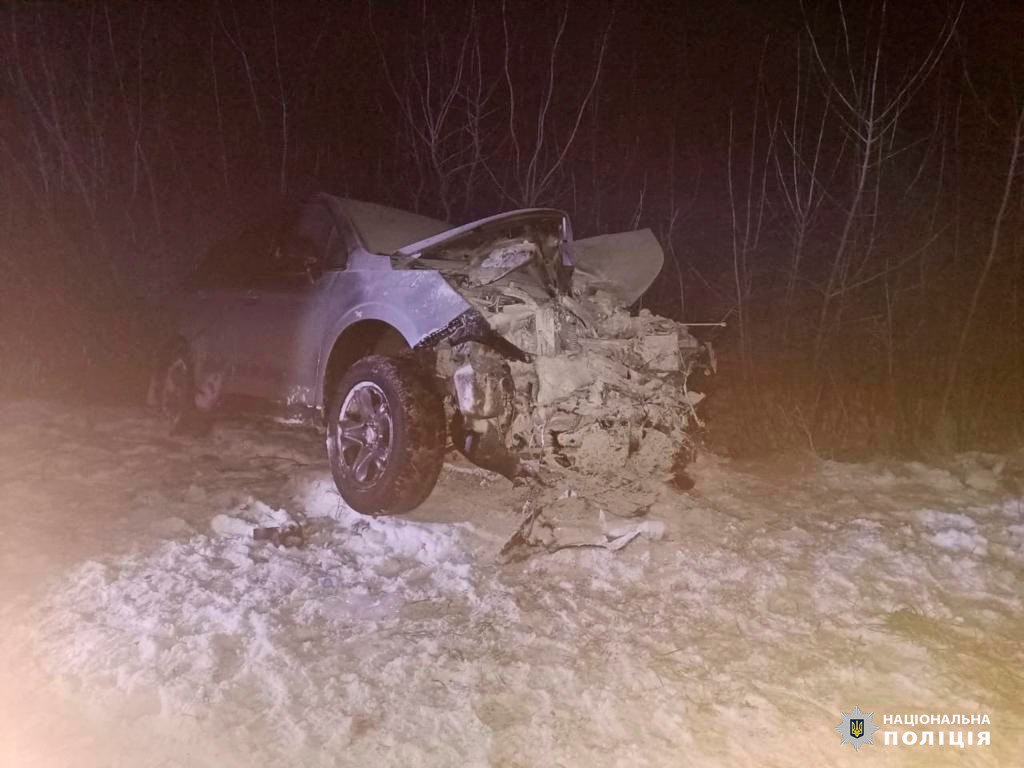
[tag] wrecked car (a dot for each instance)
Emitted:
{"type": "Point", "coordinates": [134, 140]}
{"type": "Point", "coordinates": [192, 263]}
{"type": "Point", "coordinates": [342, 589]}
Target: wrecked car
{"type": "Point", "coordinates": [505, 336]}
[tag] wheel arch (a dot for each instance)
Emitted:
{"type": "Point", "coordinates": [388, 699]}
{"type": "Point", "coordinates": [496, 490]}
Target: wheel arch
{"type": "Point", "coordinates": [362, 338]}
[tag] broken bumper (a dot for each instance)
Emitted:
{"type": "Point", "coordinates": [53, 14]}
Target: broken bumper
{"type": "Point", "coordinates": [534, 382]}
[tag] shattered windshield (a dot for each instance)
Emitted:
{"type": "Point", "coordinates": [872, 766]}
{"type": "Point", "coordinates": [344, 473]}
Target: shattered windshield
{"type": "Point", "coordinates": [385, 230]}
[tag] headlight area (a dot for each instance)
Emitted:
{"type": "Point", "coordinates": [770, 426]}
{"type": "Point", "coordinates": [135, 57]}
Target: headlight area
{"type": "Point", "coordinates": [473, 363]}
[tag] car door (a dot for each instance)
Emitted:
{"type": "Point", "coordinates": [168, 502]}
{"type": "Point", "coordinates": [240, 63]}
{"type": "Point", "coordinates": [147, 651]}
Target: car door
{"type": "Point", "coordinates": [207, 311]}
{"type": "Point", "coordinates": [282, 316]}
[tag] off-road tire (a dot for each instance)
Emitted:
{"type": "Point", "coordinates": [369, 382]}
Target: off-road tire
{"type": "Point", "coordinates": [417, 436]}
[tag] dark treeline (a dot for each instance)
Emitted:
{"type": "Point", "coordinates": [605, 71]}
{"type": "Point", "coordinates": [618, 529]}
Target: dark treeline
{"type": "Point", "coordinates": [841, 183]}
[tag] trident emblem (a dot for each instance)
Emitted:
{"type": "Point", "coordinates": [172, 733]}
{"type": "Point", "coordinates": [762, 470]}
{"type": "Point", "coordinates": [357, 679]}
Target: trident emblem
{"type": "Point", "coordinates": [856, 729]}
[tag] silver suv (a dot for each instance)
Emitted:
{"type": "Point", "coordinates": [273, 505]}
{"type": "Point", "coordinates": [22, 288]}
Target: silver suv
{"type": "Point", "coordinates": [505, 336]}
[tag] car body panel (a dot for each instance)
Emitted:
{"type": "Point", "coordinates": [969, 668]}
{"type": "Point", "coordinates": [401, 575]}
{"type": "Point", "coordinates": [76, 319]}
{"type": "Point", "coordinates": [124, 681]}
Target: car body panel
{"type": "Point", "coordinates": [282, 324]}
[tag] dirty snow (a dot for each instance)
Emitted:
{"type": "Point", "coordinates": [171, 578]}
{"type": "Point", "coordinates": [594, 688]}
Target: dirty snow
{"type": "Point", "coordinates": [144, 626]}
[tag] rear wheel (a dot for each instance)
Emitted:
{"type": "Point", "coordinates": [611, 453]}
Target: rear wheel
{"type": "Point", "coordinates": [173, 391]}
{"type": "Point", "coordinates": [385, 435]}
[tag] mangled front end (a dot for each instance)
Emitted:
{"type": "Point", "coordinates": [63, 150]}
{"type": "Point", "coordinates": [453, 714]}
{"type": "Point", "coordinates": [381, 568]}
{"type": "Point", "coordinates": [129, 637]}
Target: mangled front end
{"type": "Point", "coordinates": [549, 369]}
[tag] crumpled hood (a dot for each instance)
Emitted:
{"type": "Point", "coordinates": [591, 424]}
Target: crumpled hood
{"type": "Point", "coordinates": [538, 242]}
{"type": "Point", "coordinates": [519, 218]}
{"type": "Point", "coordinates": [623, 264]}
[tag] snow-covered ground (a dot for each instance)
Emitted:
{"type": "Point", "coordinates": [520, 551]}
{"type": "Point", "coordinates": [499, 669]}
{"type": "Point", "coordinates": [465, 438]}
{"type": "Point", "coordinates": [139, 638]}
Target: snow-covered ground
{"type": "Point", "coordinates": [142, 625]}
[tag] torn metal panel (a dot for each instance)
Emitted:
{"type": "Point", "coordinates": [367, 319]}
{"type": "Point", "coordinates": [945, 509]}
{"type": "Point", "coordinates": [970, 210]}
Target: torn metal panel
{"type": "Point", "coordinates": [503, 260]}
{"type": "Point", "coordinates": [660, 352]}
{"type": "Point", "coordinates": [600, 391]}
{"type": "Point", "coordinates": [520, 247]}
{"type": "Point", "coordinates": [486, 230]}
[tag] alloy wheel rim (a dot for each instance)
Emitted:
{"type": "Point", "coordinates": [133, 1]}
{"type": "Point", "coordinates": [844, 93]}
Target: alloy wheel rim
{"type": "Point", "coordinates": [364, 434]}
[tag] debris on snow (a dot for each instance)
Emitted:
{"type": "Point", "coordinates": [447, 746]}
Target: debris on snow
{"type": "Point", "coordinates": [250, 517]}
{"type": "Point", "coordinates": [291, 535]}
{"type": "Point", "coordinates": [573, 521]}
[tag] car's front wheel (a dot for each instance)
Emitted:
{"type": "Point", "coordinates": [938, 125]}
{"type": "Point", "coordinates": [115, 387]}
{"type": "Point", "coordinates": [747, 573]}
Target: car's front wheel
{"type": "Point", "coordinates": [385, 435]}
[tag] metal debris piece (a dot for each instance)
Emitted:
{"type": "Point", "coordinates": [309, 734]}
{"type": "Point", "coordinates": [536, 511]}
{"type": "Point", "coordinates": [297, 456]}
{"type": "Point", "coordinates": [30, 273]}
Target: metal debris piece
{"type": "Point", "coordinates": [290, 535]}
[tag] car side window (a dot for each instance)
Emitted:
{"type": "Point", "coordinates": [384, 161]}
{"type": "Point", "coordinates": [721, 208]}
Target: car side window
{"type": "Point", "coordinates": [306, 243]}
{"type": "Point", "coordinates": [230, 263]}
{"type": "Point", "coordinates": [337, 250]}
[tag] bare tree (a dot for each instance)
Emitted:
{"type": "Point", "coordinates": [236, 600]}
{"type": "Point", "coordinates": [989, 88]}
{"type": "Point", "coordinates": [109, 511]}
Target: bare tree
{"type": "Point", "coordinates": [747, 216]}
{"type": "Point", "coordinates": [464, 117]}
{"type": "Point", "coordinates": [540, 160]}
{"type": "Point", "coordinates": [869, 115]}
{"type": "Point", "coordinates": [1017, 145]}
{"type": "Point", "coordinates": [801, 179]}
{"type": "Point", "coordinates": [443, 100]}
